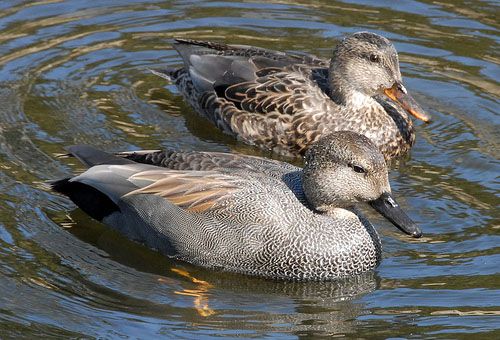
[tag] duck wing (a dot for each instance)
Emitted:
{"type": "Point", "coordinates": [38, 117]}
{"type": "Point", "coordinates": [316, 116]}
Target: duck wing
{"type": "Point", "coordinates": [194, 191]}
{"type": "Point", "coordinates": [190, 215]}
{"type": "Point", "coordinates": [207, 161]}
{"type": "Point", "coordinates": [217, 66]}
{"type": "Point", "coordinates": [189, 47]}
{"type": "Point", "coordinates": [291, 90]}
{"type": "Point", "coordinates": [270, 106]}
{"type": "Point", "coordinates": [175, 212]}
{"type": "Point", "coordinates": [283, 109]}
{"type": "Point", "coordinates": [289, 174]}
{"type": "Point", "coordinates": [277, 101]}
{"type": "Point", "coordinates": [100, 189]}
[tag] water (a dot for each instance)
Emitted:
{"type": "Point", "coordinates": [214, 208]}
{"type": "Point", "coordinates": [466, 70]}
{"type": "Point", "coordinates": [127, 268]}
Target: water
{"type": "Point", "coordinates": [77, 72]}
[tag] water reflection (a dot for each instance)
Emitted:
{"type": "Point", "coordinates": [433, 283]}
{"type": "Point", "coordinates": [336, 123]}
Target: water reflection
{"type": "Point", "coordinates": [217, 299]}
{"type": "Point", "coordinates": [77, 72]}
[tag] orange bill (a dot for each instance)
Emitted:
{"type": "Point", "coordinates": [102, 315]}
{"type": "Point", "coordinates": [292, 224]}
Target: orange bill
{"type": "Point", "coordinates": [399, 94]}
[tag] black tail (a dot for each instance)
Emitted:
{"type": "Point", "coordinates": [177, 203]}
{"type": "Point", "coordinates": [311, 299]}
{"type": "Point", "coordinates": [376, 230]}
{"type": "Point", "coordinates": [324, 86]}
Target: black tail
{"type": "Point", "coordinates": [96, 204]}
{"type": "Point", "coordinates": [91, 156]}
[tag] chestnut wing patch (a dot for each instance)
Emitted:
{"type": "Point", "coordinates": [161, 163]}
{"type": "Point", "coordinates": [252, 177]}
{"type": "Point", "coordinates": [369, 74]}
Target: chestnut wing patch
{"type": "Point", "coordinates": [195, 191]}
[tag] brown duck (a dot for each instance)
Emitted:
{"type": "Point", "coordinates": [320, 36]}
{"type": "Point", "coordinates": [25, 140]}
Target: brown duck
{"type": "Point", "coordinates": [284, 102]}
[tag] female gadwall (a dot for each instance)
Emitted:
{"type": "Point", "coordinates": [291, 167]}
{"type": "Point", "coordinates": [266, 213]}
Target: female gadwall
{"type": "Point", "coordinates": [284, 102]}
{"type": "Point", "coordinates": [246, 214]}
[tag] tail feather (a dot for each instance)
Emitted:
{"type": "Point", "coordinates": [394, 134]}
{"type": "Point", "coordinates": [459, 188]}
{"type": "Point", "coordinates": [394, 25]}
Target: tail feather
{"type": "Point", "coordinates": [91, 156]}
{"type": "Point", "coordinates": [168, 73]}
{"type": "Point", "coordinates": [95, 203]}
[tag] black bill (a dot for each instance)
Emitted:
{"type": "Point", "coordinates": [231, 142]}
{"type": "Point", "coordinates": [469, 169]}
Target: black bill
{"type": "Point", "coordinates": [390, 209]}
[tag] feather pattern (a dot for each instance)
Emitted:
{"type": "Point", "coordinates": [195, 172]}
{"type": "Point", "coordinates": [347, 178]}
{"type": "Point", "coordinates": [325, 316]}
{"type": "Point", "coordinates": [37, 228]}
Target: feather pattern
{"type": "Point", "coordinates": [207, 161]}
{"type": "Point", "coordinates": [241, 213]}
{"type": "Point", "coordinates": [196, 191]}
{"type": "Point", "coordinates": [284, 102]}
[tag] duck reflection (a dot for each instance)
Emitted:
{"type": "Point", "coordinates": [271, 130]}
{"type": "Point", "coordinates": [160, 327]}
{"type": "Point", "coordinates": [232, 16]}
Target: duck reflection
{"type": "Point", "coordinates": [200, 293]}
{"type": "Point", "coordinates": [228, 301]}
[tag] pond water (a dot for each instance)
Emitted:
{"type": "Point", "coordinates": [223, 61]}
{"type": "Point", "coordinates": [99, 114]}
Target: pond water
{"type": "Point", "coordinates": [75, 72]}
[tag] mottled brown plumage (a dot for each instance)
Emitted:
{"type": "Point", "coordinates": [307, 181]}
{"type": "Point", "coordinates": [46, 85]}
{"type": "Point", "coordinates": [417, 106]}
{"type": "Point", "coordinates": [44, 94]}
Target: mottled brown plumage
{"type": "Point", "coordinates": [284, 102]}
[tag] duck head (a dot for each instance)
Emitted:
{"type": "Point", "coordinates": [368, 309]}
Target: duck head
{"type": "Point", "coordinates": [366, 63]}
{"type": "Point", "coordinates": [344, 168]}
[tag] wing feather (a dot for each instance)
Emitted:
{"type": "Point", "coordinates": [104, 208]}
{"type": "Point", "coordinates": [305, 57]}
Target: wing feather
{"type": "Point", "coordinates": [285, 92]}
{"type": "Point", "coordinates": [195, 191]}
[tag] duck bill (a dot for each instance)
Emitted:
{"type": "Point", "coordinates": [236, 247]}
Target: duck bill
{"type": "Point", "coordinates": [390, 209]}
{"type": "Point", "coordinates": [399, 94]}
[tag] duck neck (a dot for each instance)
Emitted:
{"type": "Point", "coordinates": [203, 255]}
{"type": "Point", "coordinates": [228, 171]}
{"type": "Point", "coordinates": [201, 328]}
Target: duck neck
{"type": "Point", "coordinates": [396, 112]}
{"type": "Point", "coordinates": [383, 120]}
{"type": "Point", "coordinates": [402, 121]}
{"type": "Point", "coordinates": [344, 94]}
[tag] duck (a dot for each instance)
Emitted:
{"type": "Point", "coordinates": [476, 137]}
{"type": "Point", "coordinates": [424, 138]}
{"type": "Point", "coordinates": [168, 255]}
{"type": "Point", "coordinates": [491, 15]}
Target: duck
{"type": "Point", "coordinates": [283, 102]}
{"type": "Point", "coordinates": [246, 214]}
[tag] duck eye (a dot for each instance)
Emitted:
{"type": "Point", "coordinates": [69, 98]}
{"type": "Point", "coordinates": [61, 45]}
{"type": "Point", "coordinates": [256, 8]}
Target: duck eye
{"type": "Point", "coordinates": [374, 58]}
{"type": "Point", "coordinates": [358, 169]}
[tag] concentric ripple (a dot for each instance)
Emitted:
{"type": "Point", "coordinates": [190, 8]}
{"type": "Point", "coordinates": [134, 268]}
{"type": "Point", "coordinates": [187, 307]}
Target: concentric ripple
{"type": "Point", "coordinates": [76, 71]}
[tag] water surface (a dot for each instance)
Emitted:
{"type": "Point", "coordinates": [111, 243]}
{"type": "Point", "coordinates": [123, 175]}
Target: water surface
{"type": "Point", "coordinates": [76, 72]}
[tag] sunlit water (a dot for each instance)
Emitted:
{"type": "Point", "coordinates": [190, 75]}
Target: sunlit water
{"type": "Point", "coordinates": [77, 72]}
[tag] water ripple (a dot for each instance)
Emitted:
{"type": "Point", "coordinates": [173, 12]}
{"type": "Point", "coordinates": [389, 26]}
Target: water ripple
{"type": "Point", "coordinates": [77, 72]}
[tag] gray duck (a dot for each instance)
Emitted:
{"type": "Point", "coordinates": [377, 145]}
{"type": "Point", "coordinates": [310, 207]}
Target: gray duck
{"type": "Point", "coordinates": [284, 102]}
{"type": "Point", "coordinates": [246, 214]}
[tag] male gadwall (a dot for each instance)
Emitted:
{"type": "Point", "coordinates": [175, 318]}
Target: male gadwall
{"type": "Point", "coordinates": [284, 102]}
{"type": "Point", "coordinates": [246, 214]}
